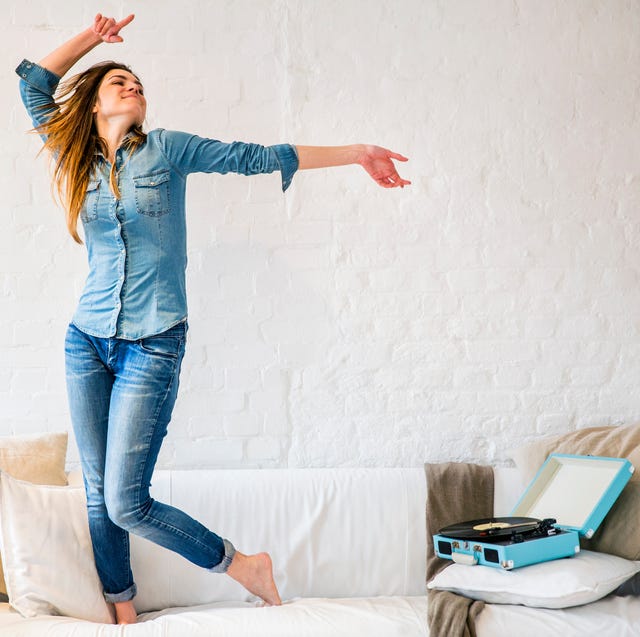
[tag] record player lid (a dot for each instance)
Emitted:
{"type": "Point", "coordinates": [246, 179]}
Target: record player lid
{"type": "Point", "coordinates": [576, 490]}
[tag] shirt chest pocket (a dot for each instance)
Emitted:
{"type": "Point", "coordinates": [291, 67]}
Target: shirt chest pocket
{"type": "Point", "coordinates": [152, 194]}
{"type": "Point", "coordinates": [89, 210]}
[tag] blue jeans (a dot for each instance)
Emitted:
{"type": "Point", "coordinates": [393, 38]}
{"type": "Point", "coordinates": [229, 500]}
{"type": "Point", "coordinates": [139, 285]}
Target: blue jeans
{"type": "Point", "coordinates": [121, 395]}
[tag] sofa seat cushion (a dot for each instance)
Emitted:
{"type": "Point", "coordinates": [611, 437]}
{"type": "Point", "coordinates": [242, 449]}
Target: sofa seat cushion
{"type": "Point", "coordinates": [608, 617]}
{"type": "Point", "coordinates": [312, 617]}
{"type": "Point", "coordinates": [309, 617]}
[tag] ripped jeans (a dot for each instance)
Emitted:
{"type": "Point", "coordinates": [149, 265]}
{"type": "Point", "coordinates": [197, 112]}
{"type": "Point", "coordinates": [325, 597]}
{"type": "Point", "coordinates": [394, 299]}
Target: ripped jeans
{"type": "Point", "coordinates": [121, 395]}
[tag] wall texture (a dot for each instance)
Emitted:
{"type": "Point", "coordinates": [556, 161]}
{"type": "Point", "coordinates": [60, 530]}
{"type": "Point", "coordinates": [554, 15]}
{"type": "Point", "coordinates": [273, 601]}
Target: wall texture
{"type": "Point", "coordinates": [495, 300]}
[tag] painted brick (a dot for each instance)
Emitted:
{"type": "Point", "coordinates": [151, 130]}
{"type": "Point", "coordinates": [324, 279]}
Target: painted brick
{"type": "Point", "coordinates": [341, 324]}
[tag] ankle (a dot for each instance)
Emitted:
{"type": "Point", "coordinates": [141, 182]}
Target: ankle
{"type": "Point", "coordinates": [125, 612]}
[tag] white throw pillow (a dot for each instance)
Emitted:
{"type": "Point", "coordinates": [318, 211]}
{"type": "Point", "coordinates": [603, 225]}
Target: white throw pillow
{"type": "Point", "coordinates": [49, 567]}
{"type": "Point", "coordinates": [573, 581]}
{"type": "Point", "coordinates": [36, 458]}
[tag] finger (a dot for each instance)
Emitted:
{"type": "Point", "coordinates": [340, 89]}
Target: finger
{"type": "Point", "coordinates": [123, 23]}
{"type": "Point", "coordinates": [397, 181]}
{"type": "Point", "coordinates": [99, 24]}
{"type": "Point", "coordinates": [398, 156]}
{"type": "Point", "coordinates": [111, 30]}
{"type": "Point", "coordinates": [106, 25]}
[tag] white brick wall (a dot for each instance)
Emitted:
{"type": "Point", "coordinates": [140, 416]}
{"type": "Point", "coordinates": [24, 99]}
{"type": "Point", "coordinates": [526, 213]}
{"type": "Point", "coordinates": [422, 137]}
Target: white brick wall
{"type": "Point", "coordinates": [496, 300]}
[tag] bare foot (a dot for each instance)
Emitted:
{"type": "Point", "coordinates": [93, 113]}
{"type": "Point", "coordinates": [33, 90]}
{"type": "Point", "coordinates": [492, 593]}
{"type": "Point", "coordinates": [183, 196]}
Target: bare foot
{"type": "Point", "coordinates": [125, 613]}
{"type": "Point", "coordinates": [255, 573]}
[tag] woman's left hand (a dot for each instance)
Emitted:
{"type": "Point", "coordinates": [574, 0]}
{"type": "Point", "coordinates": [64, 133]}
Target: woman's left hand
{"type": "Point", "coordinates": [378, 163]}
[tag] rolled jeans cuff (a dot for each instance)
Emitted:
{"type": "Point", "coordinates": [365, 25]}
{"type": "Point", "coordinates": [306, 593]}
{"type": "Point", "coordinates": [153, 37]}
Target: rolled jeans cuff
{"type": "Point", "coordinates": [125, 596]}
{"type": "Point", "coordinates": [229, 552]}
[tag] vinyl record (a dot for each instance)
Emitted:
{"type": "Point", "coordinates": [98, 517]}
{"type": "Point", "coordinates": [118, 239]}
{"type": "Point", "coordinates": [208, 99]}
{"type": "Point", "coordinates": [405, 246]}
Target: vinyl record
{"type": "Point", "coordinates": [490, 528]}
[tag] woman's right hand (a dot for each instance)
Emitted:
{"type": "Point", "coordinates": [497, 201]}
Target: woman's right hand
{"type": "Point", "coordinates": [108, 29]}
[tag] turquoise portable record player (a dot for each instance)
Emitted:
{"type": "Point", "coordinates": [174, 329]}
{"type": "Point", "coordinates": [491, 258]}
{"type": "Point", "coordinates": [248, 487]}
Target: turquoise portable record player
{"type": "Point", "coordinates": [568, 498]}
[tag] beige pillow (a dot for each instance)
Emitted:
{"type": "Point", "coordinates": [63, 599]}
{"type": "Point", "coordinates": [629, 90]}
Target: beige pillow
{"type": "Point", "coordinates": [618, 534]}
{"type": "Point", "coordinates": [50, 569]}
{"type": "Point", "coordinates": [36, 458]}
{"type": "Point", "coordinates": [613, 442]}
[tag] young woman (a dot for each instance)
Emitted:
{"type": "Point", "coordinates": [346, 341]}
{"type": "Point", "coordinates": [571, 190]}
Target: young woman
{"type": "Point", "coordinates": [125, 343]}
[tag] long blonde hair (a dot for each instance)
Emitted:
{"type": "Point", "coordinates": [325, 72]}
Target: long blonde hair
{"type": "Point", "coordinates": [73, 141]}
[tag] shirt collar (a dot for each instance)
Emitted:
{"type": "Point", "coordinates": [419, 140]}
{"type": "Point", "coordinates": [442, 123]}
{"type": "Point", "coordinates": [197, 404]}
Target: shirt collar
{"type": "Point", "coordinates": [124, 141]}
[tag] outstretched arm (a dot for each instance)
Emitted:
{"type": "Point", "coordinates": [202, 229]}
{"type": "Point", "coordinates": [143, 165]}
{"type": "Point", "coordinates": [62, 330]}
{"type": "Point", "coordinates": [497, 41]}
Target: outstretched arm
{"type": "Point", "coordinates": [65, 56]}
{"type": "Point", "coordinates": [375, 160]}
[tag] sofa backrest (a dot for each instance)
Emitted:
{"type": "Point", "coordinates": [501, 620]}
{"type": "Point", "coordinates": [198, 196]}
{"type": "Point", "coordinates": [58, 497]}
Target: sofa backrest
{"type": "Point", "coordinates": [330, 532]}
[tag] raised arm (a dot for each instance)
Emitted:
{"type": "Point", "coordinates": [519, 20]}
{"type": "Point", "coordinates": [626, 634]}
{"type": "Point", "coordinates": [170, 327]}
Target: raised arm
{"type": "Point", "coordinates": [65, 56]}
{"type": "Point", "coordinates": [375, 160]}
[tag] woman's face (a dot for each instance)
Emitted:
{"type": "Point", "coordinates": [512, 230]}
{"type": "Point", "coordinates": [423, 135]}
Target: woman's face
{"type": "Point", "coordinates": [121, 96]}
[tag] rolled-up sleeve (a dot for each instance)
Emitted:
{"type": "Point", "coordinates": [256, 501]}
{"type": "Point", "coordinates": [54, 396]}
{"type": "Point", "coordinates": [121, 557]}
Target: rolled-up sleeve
{"type": "Point", "coordinates": [287, 156]}
{"type": "Point", "coordinates": [191, 153]}
{"type": "Point", "coordinates": [37, 86]}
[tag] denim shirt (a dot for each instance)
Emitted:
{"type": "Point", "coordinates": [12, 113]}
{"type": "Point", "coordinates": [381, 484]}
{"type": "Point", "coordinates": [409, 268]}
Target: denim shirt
{"type": "Point", "coordinates": [136, 245]}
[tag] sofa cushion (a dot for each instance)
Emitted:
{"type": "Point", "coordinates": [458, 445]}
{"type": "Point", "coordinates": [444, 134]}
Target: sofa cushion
{"type": "Point", "coordinates": [331, 533]}
{"type": "Point", "coordinates": [314, 617]}
{"type": "Point", "coordinates": [340, 533]}
{"type": "Point", "coordinates": [614, 442]}
{"type": "Point", "coordinates": [36, 458]}
{"type": "Point", "coordinates": [308, 617]}
{"type": "Point", "coordinates": [49, 567]}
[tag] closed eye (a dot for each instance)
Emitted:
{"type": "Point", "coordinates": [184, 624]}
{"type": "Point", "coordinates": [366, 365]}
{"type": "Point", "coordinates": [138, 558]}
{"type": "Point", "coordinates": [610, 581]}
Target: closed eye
{"type": "Point", "coordinates": [118, 79]}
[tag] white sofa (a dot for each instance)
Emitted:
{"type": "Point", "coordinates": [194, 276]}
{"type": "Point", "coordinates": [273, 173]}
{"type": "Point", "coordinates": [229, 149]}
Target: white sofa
{"type": "Point", "coordinates": [348, 547]}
